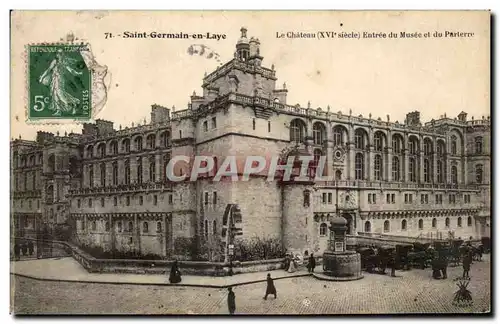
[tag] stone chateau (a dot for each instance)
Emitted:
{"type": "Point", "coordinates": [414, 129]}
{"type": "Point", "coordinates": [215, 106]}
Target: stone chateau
{"type": "Point", "coordinates": [409, 179]}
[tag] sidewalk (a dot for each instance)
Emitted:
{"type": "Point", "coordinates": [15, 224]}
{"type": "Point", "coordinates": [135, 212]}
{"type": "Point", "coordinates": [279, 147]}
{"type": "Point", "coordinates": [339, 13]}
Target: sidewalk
{"type": "Point", "coordinates": [67, 269]}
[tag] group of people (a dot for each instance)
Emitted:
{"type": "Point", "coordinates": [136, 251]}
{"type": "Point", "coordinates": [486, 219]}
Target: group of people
{"type": "Point", "coordinates": [26, 249]}
{"type": "Point", "coordinates": [440, 262]}
{"type": "Point", "coordinates": [292, 263]}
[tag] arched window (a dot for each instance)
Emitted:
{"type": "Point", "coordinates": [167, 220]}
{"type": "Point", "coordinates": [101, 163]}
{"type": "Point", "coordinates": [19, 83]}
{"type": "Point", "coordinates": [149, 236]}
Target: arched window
{"type": "Point", "coordinates": [439, 172]}
{"type": "Point", "coordinates": [206, 228]}
{"type": "Point", "coordinates": [396, 168]}
{"type": "Point", "coordinates": [82, 224]}
{"type": "Point", "coordinates": [151, 141]}
{"type": "Point", "coordinates": [368, 227]}
{"type": "Point", "coordinates": [378, 167]}
{"type": "Point", "coordinates": [469, 221]}
{"type": "Point", "coordinates": [297, 131]}
{"type": "Point", "coordinates": [91, 175]}
{"type": "Point", "coordinates": [114, 173]}
{"type": "Point", "coordinates": [130, 226]}
{"type": "Point", "coordinates": [427, 147]}
{"type": "Point", "coordinates": [360, 139]}
{"type": "Point", "coordinates": [420, 224]}
{"type": "Point", "coordinates": [145, 227]}
{"type": "Point", "coordinates": [102, 169]}
{"type": "Point", "coordinates": [126, 146]}
{"type": "Point", "coordinates": [378, 141]}
{"type": "Point", "coordinates": [412, 170]}
{"type": "Point", "coordinates": [119, 224]}
{"type": "Point", "coordinates": [322, 229]}
{"type": "Point", "coordinates": [359, 166]}
{"type": "Point", "coordinates": [32, 160]}
{"type": "Point", "coordinates": [318, 133]}
{"type": "Point", "coordinates": [152, 169]}
{"type": "Point", "coordinates": [403, 225]}
{"type": "Point", "coordinates": [127, 172]}
{"type": "Point", "coordinates": [447, 222]}
{"type": "Point", "coordinates": [454, 174]}
{"type": "Point", "coordinates": [214, 226]}
{"type": "Point", "coordinates": [338, 175]}
{"type": "Point", "coordinates": [90, 151]}
{"type": "Point", "coordinates": [158, 227]}
{"type": "Point", "coordinates": [94, 225]}
{"type": "Point", "coordinates": [397, 143]}
{"type": "Point", "coordinates": [479, 144]}
{"type": "Point", "coordinates": [441, 148]}
{"type": "Point", "coordinates": [427, 167]}
{"type": "Point", "coordinates": [453, 145]}
{"type": "Point", "coordinates": [51, 163]}
{"type": "Point", "coordinates": [106, 226]}
{"type": "Point", "coordinates": [138, 143]}
{"type": "Point", "coordinates": [338, 135]}
{"type": "Point", "coordinates": [434, 223]}
{"type": "Point", "coordinates": [479, 173]}
{"type": "Point", "coordinates": [139, 170]}
{"type": "Point", "coordinates": [459, 222]}
{"type": "Point", "coordinates": [387, 226]}
{"type": "Point", "coordinates": [413, 145]}
{"type": "Point", "coordinates": [113, 147]}
{"type": "Point", "coordinates": [164, 139]}
{"type": "Point", "coordinates": [101, 150]}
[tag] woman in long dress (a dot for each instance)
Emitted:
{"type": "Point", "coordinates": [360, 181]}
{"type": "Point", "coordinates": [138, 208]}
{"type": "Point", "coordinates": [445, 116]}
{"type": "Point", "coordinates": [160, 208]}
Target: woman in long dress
{"type": "Point", "coordinates": [56, 77]}
{"type": "Point", "coordinates": [293, 265]}
{"type": "Point", "coordinates": [175, 274]}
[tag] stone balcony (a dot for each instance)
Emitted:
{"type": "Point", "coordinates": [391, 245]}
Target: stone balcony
{"type": "Point", "coordinates": [123, 188]}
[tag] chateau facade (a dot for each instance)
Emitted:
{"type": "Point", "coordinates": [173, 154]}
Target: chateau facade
{"type": "Point", "coordinates": [409, 179]}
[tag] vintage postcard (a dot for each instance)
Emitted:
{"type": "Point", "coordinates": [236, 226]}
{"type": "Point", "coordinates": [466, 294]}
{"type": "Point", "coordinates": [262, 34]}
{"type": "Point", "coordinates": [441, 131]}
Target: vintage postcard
{"type": "Point", "coordinates": [250, 162]}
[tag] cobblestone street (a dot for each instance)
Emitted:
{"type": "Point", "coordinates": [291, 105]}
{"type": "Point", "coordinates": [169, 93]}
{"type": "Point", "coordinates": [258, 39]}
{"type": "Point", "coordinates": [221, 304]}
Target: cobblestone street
{"type": "Point", "coordinates": [411, 292]}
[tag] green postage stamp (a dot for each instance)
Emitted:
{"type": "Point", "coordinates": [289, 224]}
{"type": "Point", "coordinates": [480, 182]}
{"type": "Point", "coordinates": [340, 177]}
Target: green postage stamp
{"type": "Point", "coordinates": [64, 82]}
{"type": "Point", "coordinates": [60, 82]}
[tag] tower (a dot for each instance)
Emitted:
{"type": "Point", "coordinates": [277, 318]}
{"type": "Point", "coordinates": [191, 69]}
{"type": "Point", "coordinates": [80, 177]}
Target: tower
{"type": "Point", "coordinates": [243, 46]}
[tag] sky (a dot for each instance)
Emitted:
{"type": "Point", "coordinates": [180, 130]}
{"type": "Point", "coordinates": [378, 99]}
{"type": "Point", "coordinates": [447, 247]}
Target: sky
{"type": "Point", "coordinates": [368, 76]}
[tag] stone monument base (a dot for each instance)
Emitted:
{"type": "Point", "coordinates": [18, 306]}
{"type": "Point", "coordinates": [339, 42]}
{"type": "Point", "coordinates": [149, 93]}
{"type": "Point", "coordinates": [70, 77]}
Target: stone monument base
{"type": "Point", "coordinates": [341, 266]}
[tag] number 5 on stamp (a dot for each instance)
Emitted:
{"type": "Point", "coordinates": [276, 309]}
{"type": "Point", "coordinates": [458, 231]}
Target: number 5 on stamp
{"type": "Point", "coordinates": [59, 82]}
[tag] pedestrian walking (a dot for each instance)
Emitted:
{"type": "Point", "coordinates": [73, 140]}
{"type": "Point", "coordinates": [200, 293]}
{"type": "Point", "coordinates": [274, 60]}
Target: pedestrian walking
{"type": "Point", "coordinates": [270, 289]}
{"type": "Point", "coordinates": [30, 248]}
{"type": "Point", "coordinates": [231, 301]}
{"type": "Point", "coordinates": [466, 262]}
{"type": "Point", "coordinates": [393, 263]}
{"type": "Point", "coordinates": [312, 263]}
{"type": "Point", "coordinates": [17, 251]}
{"type": "Point", "coordinates": [287, 262]}
{"type": "Point", "coordinates": [443, 260]}
{"type": "Point", "coordinates": [175, 274]}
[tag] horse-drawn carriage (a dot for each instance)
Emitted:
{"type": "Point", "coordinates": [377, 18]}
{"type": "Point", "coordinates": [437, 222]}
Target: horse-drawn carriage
{"type": "Point", "coordinates": [402, 259]}
{"type": "Point", "coordinates": [376, 258]}
{"type": "Point", "coordinates": [421, 255]}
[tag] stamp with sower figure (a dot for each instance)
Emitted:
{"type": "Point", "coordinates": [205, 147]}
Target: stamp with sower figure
{"type": "Point", "coordinates": [64, 82]}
